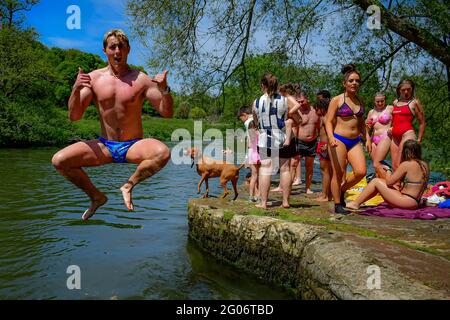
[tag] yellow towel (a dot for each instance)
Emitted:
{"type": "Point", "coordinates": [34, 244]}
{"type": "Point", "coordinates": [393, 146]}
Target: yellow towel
{"type": "Point", "coordinates": [353, 193]}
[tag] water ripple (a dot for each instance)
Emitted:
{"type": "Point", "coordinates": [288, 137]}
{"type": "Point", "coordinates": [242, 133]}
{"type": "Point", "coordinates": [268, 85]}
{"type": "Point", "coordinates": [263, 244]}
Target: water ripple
{"type": "Point", "coordinates": [131, 255]}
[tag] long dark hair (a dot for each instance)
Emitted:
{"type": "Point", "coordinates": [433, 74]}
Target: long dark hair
{"type": "Point", "coordinates": [270, 82]}
{"type": "Point", "coordinates": [412, 151]}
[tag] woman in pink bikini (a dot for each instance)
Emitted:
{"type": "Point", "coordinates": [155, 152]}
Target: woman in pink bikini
{"type": "Point", "coordinates": [379, 122]}
{"type": "Point", "coordinates": [406, 106]}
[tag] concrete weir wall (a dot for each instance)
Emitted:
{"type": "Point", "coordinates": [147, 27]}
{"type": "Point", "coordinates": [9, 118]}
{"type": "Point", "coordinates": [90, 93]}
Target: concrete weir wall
{"type": "Point", "coordinates": [308, 260]}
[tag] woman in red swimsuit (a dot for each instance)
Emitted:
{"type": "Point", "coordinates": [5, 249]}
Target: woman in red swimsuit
{"type": "Point", "coordinates": [406, 106]}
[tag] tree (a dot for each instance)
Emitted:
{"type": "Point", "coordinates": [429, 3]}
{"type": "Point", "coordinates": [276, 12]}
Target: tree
{"type": "Point", "coordinates": [10, 12]}
{"type": "Point", "coordinates": [182, 34]}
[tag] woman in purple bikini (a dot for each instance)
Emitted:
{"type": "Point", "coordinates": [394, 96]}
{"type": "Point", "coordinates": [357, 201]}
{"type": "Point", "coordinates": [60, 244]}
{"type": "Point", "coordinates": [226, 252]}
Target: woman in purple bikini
{"type": "Point", "coordinates": [379, 121]}
{"type": "Point", "coordinates": [345, 125]}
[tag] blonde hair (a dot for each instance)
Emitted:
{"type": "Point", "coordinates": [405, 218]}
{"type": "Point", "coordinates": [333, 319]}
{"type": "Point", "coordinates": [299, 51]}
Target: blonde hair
{"type": "Point", "coordinates": [118, 33]}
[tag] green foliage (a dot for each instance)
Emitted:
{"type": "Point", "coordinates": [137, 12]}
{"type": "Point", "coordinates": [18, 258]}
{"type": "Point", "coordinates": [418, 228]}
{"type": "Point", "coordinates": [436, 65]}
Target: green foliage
{"type": "Point", "coordinates": [31, 123]}
{"type": "Point", "coordinates": [91, 113]}
{"type": "Point", "coordinates": [11, 15]}
{"type": "Point", "coordinates": [27, 82]}
{"type": "Point", "coordinates": [35, 83]}
{"type": "Point", "coordinates": [182, 112]}
{"type": "Point", "coordinates": [197, 113]}
{"type": "Point", "coordinates": [66, 63]}
{"type": "Point", "coordinates": [147, 109]}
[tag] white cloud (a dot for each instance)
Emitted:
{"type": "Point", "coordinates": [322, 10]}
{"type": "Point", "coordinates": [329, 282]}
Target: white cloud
{"type": "Point", "coordinates": [66, 43]}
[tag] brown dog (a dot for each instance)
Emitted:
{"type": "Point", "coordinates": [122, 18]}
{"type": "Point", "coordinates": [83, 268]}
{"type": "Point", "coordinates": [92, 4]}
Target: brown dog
{"type": "Point", "coordinates": [210, 168]}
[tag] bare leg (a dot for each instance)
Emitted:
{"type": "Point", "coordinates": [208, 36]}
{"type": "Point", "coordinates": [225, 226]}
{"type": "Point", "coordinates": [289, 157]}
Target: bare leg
{"type": "Point", "coordinates": [357, 160]}
{"type": "Point", "coordinates": [69, 161]}
{"type": "Point", "coordinates": [330, 174]}
{"type": "Point", "coordinates": [368, 193]}
{"type": "Point", "coordinates": [152, 155]}
{"type": "Point", "coordinates": [309, 168]}
{"type": "Point", "coordinates": [285, 180]}
{"type": "Point", "coordinates": [280, 187]}
{"type": "Point", "coordinates": [380, 154]}
{"type": "Point", "coordinates": [265, 175]}
{"type": "Point", "coordinates": [253, 181]}
{"type": "Point", "coordinates": [395, 154]}
{"type": "Point", "coordinates": [338, 162]}
{"type": "Point", "coordinates": [326, 180]}
{"type": "Point", "coordinates": [297, 174]}
{"type": "Point", "coordinates": [390, 195]}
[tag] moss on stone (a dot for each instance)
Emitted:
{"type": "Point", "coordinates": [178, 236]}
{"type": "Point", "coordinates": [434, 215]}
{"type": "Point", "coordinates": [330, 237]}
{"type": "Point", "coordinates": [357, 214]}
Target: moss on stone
{"type": "Point", "coordinates": [228, 215]}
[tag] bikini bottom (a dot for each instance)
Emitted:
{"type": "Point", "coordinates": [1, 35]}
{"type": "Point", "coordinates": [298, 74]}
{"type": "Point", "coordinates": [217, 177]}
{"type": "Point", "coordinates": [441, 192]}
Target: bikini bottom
{"type": "Point", "coordinates": [377, 139]}
{"type": "Point", "coordinates": [349, 143]}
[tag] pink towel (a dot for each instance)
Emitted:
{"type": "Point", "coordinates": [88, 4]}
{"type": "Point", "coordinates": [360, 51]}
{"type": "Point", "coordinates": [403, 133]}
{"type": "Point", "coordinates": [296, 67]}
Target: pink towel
{"type": "Point", "coordinates": [424, 213]}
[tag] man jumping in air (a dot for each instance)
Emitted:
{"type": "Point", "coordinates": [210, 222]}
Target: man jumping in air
{"type": "Point", "coordinates": [118, 93]}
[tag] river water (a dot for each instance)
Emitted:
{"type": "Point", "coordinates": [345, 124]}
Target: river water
{"type": "Point", "coordinates": [143, 254]}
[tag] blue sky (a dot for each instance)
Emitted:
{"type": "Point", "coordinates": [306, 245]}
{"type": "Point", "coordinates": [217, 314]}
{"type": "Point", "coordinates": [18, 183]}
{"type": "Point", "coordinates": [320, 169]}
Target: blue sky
{"type": "Point", "coordinates": [49, 18]}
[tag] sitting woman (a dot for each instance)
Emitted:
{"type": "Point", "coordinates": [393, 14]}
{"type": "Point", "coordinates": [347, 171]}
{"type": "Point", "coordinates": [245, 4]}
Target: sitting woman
{"type": "Point", "coordinates": [413, 172]}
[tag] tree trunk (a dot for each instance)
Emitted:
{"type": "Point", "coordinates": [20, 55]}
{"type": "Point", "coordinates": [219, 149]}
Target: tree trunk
{"type": "Point", "coordinates": [411, 32]}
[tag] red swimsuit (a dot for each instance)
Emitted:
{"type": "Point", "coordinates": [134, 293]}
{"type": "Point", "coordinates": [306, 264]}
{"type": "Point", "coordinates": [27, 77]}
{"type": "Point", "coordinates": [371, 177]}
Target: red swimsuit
{"type": "Point", "coordinates": [402, 118]}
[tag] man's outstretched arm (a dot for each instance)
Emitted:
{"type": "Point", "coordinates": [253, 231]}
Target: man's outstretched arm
{"type": "Point", "coordinates": [159, 95]}
{"type": "Point", "coordinates": [81, 96]}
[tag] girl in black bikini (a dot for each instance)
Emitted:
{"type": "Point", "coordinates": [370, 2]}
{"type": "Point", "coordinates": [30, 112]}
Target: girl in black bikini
{"type": "Point", "coordinates": [413, 172]}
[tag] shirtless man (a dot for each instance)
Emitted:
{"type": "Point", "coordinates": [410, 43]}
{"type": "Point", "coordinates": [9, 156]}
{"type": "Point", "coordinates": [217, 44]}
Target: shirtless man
{"type": "Point", "coordinates": [118, 92]}
{"type": "Point", "coordinates": [307, 139]}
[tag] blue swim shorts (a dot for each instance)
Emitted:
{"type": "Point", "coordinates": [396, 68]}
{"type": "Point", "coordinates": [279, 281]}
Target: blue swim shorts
{"type": "Point", "coordinates": [118, 149]}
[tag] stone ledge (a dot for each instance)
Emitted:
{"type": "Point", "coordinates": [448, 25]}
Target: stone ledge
{"type": "Point", "coordinates": [308, 260]}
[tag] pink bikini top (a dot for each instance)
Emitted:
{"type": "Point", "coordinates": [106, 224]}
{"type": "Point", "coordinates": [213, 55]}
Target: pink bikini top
{"type": "Point", "coordinates": [383, 118]}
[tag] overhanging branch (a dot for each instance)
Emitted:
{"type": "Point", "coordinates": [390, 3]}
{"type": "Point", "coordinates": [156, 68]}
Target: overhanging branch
{"type": "Point", "coordinates": [421, 37]}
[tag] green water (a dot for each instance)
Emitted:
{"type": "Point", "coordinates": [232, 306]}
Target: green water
{"type": "Point", "coordinates": [140, 255]}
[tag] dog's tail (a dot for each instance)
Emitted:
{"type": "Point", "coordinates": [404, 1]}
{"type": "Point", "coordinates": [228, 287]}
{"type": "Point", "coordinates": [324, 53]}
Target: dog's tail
{"type": "Point", "coordinates": [241, 166]}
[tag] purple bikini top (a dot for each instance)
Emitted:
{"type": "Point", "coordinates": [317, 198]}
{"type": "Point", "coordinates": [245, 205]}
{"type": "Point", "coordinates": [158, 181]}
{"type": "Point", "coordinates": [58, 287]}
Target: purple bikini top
{"type": "Point", "coordinates": [345, 110]}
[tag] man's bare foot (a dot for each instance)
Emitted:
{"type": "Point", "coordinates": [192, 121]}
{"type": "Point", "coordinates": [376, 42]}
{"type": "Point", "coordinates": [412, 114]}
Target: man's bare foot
{"type": "Point", "coordinates": [95, 204]}
{"type": "Point", "coordinates": [322, 199]}
{"type": "Point", "coordinates": [261, 206]}
{"type": "Point", "coordinates": [308, 191]}
{"type": "Point", "coordinates": [277, 189]}
{"type": "Point", "coordinates": [286, 205]}
{"type": "Point", "coordinates": [297, 182]}
{"type": "Point", "coordinates": [352, 206]}
{"type": "Point", "coordinates": [126, 193]}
